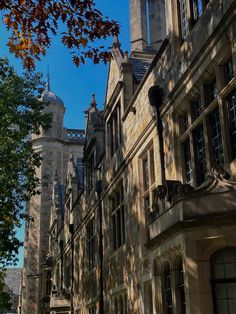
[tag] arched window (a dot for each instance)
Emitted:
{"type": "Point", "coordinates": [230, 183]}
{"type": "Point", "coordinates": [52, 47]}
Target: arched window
{"type": "Point", "coordinates": [167, 290]}
{"type": "Point", "coordinates": [180, 287]}
{"type": "Point", "coordinates": [223, 267]}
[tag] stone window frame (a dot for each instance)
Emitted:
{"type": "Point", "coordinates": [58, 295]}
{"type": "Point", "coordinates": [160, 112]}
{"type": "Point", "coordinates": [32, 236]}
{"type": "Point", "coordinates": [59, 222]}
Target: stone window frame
{"type": "Point", "coordinates": [148, 181]}
{"type": "Point", "coordinates": [189, 11]}
{"type": "Point", "coordinates": [117, 206]}
{"type": "Point", "coordinates": [114, 129]}
{"type": "Point", "coordinates": [91, 243]}
{"type": "Point", "coordinates": [186, 133]}
{"type": "Point", "coordinates": [216, 278]}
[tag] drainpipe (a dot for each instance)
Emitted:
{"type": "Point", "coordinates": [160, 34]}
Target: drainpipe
{"type": "Point", "coordinates": [101, 300]}
{"type": "Point", "coordinates": [155, 95]}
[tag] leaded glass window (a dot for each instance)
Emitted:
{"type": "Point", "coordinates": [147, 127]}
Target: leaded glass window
{"type": "Point", "coordinates": [228, 70]}
{"type": "Point", "coordinates": [223, 266]}
{"type": "Point", "coordinates": [118, 219]}
{"type": "Point", "coordinates": [180, 286]}
{"type": "Point", "coordinates": [196, 108]}
{"type": "Point", "coordinates": [216, 137]}
{"type": "Point", "coordinates": [187, 162]}
{"type": "Point", "coordinates": [232, 121]}
{"type": "Point", "coordinates": [200, 154]}
{"type": "Point", "coordinates": [183, 18]}
{"type": "Point", "coordinates": [168, 289]}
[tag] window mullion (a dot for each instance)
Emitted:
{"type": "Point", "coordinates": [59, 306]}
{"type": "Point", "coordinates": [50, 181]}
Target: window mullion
{"type": "Point", "coordinates": [192, 158]}
{"type": "Point", "coordinates": [206, 142]}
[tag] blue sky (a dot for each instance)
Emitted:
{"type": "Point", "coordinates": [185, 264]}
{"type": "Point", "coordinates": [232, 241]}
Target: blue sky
{"type": "Point", "coordinates": [75, 85]}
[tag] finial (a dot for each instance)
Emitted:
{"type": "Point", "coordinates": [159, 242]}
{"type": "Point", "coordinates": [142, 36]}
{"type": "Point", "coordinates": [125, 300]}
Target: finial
{"type": "Point", "coordinates": [48, 80]}
{"type": "Point", "coordinates": [116, 43]}
{"type": "Point", "coordinates": [93, 102]}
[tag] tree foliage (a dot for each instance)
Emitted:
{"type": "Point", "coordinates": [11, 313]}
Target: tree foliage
{"type": "Point", "coordinates": [33, 22]}
{"type": "Point", "coordinates": [21, 112]}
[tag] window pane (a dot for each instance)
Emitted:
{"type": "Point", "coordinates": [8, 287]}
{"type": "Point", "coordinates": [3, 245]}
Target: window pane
{"type": "Point", "coordinates": [228, 70]}
{"type": "Point", "coordinates": [183, 18]}
{"type": "Point", "coordinates": [145, 174]}
{"type": "Point", "coordinates": [196, 108]}
{"type": "Point", "coordinates": [187, 162]}
{"type": "Point", "coordinates": [232, 121]}
{"type": "Point", "coordinates": [200, 154]}
{"type": "Point", "coordinates": [216, 138]}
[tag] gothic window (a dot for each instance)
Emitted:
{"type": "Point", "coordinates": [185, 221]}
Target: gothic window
{"type": "Point", "coordinates": [231, 102]}
{"type": "Point", "coordinates": [148, 175]}
{"type": "Point", "coordinates": [183, 18]}
{"type": "Point", "coordinates": [180, 288]}
{"type": "Point", "coordinates": [223, 267]}
{"type": "Point", "coordinates": [167, 290]}
{"type": "Point", "coordinates": [118, 219]}
{"type": "Point", "coordinates": [114, 126]}
{"type": "Point", "coordinates": [90, 242]}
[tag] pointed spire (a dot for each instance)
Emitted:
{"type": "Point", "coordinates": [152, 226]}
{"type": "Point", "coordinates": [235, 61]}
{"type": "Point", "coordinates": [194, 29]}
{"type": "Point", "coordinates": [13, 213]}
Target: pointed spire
{"type": "Point", "coordinates": [48, 81]}
{"type": "Point", "coordinates": [93, 103]}
{"type": "Point", "coordinates": [116, 43]}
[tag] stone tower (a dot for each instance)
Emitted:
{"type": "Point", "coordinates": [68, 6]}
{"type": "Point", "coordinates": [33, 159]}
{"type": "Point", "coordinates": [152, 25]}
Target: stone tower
{"type": "Point", "coordinates": [147, 24]}
{"type": "Point", "coordinates": [55, 146]}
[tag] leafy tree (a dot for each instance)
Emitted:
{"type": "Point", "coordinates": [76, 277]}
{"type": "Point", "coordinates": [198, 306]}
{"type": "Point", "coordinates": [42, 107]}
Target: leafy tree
{"type": "Point", "coordinates": [32, 24]}
{"type": "Point", "coordinates": [21, 112]}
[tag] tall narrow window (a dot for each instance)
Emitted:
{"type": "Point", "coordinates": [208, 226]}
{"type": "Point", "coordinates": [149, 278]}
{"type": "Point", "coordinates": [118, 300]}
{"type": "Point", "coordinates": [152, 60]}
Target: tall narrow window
{"type": "Point", "coordinates": [180, 287]}
{"type": "Point", "coordinates": [228, 70]}
{"type": "Point", "coordinates": [223, 265]}
{"type": "Point", "coordinates": [148, 179]}
{"type": "Point", "coordinates": [114, 125]}
{"type": "Point", "coordinates": [168, 290]}
{"type": "Point", "coordinates": [231, 100]}
{"type": "Point", "coordinates": [90, 234]}
{"type": "Point", "coordinates": [118, 219]}
{"type": "Point", "coordinates": [216, 137]}
{"type": "Point", "coordinates": [187, 162]}
{"type": "Point", "coordinates": [196, 108]}
{"type": "Point", "coordinates": [200, 155]}
{"type": "Point", "coordinates": [183, 18]}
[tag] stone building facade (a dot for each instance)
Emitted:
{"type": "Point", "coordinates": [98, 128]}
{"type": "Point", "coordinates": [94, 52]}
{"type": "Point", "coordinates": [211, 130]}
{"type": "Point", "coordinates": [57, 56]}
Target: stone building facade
{"type": "Point", "coordinates": [150, 225]}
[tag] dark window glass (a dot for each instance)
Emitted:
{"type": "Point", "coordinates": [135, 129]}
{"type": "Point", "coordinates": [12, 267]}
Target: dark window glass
{"type": "Point", "coordinates": [118, 219]}
{"type": "Point", "coordinates": [145, 173]}
{"type": "Point", "coordinates": [184, 121]}
{"type": "Point", "coordinates": [200, 154]}
{"type": "Point", "coordinates": [180, 286]}
{"type": "Point", "coordinates": [211, 91]}
{"type": "Point", "coordinates": [183, 18]}
{"type": "Point", "coordinates": [228, 70]}
{"type": "Point", "coordinates": [232, 121]}
{"type": "Point", "coordinates": [196, 108]}
{"type": "Point", "coordinates": [187, 162]}
{"type": "Point", "coordinates": [168, 290]}
{"type": "Point", "coordinates": [223, 266]}
{"type": "Point", "coordinates": [216, 137]}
